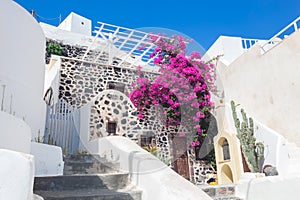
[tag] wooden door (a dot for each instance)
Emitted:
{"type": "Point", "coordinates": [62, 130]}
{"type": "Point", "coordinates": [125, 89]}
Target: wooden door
{"type": "Point", "coordinates": [180, 157]}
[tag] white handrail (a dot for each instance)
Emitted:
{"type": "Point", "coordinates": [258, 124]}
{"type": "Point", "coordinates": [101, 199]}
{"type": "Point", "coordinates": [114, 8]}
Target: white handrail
{"type": "Point", "coordinates": [273, 39]}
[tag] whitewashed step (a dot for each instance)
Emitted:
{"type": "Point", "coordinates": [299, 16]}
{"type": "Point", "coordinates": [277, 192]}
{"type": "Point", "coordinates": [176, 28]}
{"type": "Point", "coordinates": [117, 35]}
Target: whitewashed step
{"type": "Point", "coordinates": [295, 154]}
{"type": "Point", "coordinates": [293, 171]}
{"type": "Point", "coordinates": [291, 144]}
{"type": "Point", "coordinates": [243, 183]}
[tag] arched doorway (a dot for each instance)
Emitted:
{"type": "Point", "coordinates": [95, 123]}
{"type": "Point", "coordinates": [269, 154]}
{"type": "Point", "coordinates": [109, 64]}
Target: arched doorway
{"type": "Point", "coordinates": [226, 175]}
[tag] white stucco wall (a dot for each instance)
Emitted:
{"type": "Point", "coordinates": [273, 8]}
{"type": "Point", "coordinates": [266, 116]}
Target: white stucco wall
{"type": "Point", "coordinates": [229, 47]}
{"type": "Point", "coordinates": [52, 76]}
{"type": "Point", "coordinates": [148, 173]}
{"type": "Point", "coordinates": [67, 37]}
{"type": "Point", "coordinates": [84, 126]}
{"type": "Point", "coordinates": [267, 86]}
{"type": "Point", "coordinates": [16, 175]}
{"type": "Point", "coordinates": [48, 159]}
{"type": "Point", "coordinates": [276, 151]}
{"type": "Point", "coordinates": [274, 187]}
{"type": "Point", "coordinates": [66, 24]}
{"type": "Point", "coordinates": [22, 65]}
{"type": "Point", "coordinates": [77, 24]}
{"type": "Point", "coordinates": [15, 134]}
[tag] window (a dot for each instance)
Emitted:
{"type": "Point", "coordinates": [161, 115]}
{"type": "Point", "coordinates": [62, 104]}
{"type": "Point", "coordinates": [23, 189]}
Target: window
{"type": "Point", "coordinates": [116, 86]}
{"type": "Point", "coordinates": [112, 128]}
{"type": "Point", "coordinates": [225, 147]}
{"type": "Point", "coordinates": [147, 139]}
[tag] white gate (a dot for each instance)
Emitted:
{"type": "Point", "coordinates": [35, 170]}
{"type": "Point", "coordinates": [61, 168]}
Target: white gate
{"type": "Point", "coordinates": [62, 126]}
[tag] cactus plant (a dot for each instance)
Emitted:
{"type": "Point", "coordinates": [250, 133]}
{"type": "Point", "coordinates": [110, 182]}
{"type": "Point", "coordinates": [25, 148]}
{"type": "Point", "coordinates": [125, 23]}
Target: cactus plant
{"type": "Point", "coordinates": [252, 150]}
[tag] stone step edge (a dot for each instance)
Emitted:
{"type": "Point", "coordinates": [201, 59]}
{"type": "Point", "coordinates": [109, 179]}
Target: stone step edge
{"type": "Point", "coordinates": [78, 175]}
{"type": "Point", "coordinates": [90, 162]}
{"type": "Point", "coordinates": [68, 156]}
{"type": "Point", "coordinates": [88, 192]}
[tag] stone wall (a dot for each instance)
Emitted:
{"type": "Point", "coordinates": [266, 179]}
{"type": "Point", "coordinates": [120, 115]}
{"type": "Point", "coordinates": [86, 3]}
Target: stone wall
{"type": "Point", "coordinates": [112, 105]}
{"type": "Point", "coordinates": [82, 82]}
{"type": "Point", "coordinates": [69, 51]}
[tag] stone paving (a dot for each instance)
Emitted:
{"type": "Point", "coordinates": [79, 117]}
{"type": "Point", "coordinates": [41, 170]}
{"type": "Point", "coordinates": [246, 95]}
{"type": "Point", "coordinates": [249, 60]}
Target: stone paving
{"type": "Point", "coordinates": [220, 192]}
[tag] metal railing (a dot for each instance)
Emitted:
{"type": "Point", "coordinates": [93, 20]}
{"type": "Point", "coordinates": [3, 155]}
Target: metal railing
{"type": "Point", "coordinates": [289, 29]}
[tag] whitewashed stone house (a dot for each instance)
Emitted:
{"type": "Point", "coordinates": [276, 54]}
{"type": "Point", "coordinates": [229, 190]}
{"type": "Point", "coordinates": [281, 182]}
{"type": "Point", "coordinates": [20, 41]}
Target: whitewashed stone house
{"type": "Point", "coordinates": [87, 88]}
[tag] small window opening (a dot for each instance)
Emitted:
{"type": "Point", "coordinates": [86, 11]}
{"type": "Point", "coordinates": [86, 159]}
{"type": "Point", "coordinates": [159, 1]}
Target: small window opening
{"type": "Point", "coordinates": [112, 128]}
{"type": "Point", "coordinates": [147, 138]}
{"type": "Point", "coordinates": [225, 147]}
{"type": "Point", "coordinates": [116, 86]}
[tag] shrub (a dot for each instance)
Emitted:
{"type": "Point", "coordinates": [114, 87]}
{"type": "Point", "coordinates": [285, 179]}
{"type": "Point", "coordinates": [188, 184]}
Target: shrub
{"type": "Point", "coordinates": [54, 49]}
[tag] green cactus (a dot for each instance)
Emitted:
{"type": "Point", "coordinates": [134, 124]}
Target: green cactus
{"type": "Point", "coordinates": [252, 150]}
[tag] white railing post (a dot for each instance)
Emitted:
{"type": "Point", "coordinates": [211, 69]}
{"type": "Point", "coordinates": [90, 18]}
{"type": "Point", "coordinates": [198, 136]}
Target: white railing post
{"type": "Point", "coordinates": [295, 26]}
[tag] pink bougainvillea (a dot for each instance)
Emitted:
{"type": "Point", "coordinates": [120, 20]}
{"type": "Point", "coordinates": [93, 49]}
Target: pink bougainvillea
{"type": "Point", "coordinates": [182, 88]}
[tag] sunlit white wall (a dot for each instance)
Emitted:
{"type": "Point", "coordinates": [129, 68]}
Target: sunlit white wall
{"type": "Point", "coordinates": [22, 66]}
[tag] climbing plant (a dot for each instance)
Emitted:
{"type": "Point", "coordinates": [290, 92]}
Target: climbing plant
{"type": "Point", "coordinates": [182, 89]}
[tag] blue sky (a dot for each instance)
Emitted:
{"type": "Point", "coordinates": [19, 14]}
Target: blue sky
{"type": "Point", "coordinates": [204, 21]}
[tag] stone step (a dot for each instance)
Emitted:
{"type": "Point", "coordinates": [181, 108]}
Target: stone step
{"type": "Point", "coordinates": [88, 164]}
{"type": "Point", "coordinates": [90, 167]}
{"type": "Point", "coordinates": [77, 182]}
{"type": "Point", "coordinates": [87, 177]}
{"type": "Point", "coordinates": [84, 158]}
{"type": "Point", "coordinates": [90, 194]}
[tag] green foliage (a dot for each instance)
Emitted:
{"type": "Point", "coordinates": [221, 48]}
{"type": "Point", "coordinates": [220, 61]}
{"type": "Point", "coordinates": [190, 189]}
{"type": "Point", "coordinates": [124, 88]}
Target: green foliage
{"type": "Point", "coordinates": [39, 138]}
{"type": "Point", "coordinates": [156, 152]}
{"type": "Point", "coordinates": [252, 150]}
{"type": "Point", "coordinates": [81, 152]}
{"type": "Point", "coordinates": [54, 48]}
